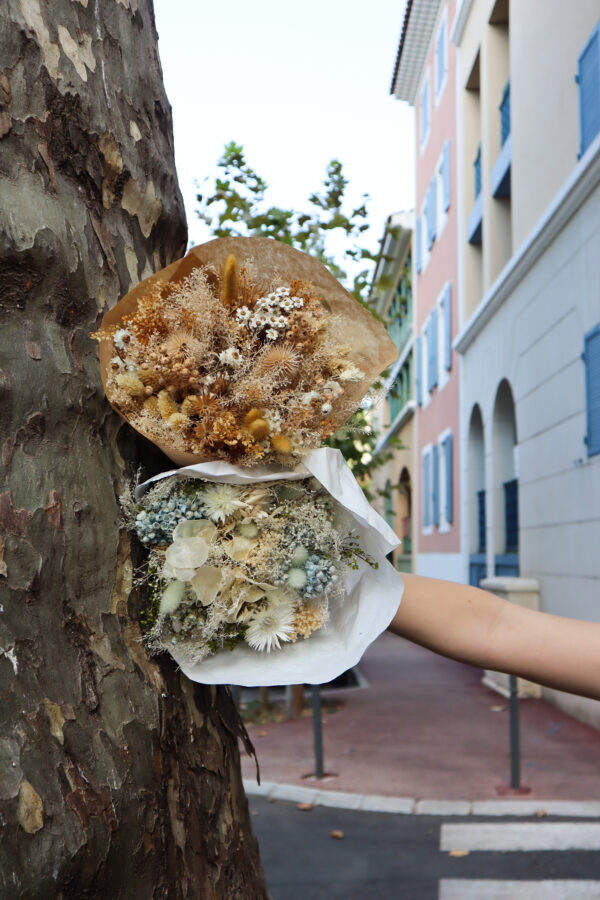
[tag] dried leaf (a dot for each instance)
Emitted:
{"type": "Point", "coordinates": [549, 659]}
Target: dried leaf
{"type": "Point", "coordinates": [337, 834]}
{"type": "Point", "coordinates": [497, 708]}
{"type": "Point", "coordinates": [305, 807]}
{"type": "Point", "coordinates": [458, 853]}
{"type": "Point", "coordinates": [540, 813]}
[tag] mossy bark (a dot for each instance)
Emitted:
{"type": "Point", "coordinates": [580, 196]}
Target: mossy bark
{"type": "Point", "coordinates": [118, 777]}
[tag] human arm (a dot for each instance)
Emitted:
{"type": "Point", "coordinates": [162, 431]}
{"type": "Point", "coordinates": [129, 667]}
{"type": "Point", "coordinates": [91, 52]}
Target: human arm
{"type": "Point", "coordinates": [479, 628]}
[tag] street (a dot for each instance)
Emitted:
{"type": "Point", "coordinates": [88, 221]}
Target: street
{"type": "Point", "coordinates": [384, 856]}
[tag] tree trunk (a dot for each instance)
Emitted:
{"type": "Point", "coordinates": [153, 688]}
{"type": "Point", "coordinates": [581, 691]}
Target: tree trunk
{"type": "Point", "coordinates": [118, 777]}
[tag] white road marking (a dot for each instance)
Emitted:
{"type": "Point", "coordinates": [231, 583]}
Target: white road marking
{"type": "Point", "coordinates": [504, 836]}
{"type": "Point", "coordinates": [483, 889]}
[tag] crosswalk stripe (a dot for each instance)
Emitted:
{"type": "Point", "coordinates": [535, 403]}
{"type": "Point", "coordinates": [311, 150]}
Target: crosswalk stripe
{"type": "Point", "coordinates": [487, 889]}
{"type": "Point", "coordinates": [521, 836]}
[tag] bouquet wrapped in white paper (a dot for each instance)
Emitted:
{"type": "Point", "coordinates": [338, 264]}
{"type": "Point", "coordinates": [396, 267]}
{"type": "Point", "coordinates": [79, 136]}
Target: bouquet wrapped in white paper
{"type": "Point", "coordinates": [266, 576]}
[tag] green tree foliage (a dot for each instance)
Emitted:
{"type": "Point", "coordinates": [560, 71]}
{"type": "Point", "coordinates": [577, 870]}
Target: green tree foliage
{"type": "Point", "coordinates": [235, 205]}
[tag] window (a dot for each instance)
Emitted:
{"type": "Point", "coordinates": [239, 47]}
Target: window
{"type": "Point", "coordinates": [418, 371]}
{"type": "Point", "coordinates": [425, 112]}
{"type": "Point", "coordinates": [441, 58]}
{"type": "Point", "coordinates": [446, 334]}
{"type": "Point", "coordinates": [442, 176]}
{"type": "Point", "coordinates": [591, 358]}
{"type": "Point", "coordinates": [431, 213]}
{"type": "Point", "coordinates": [447, 457]}
{"type": "Point", "coordinates": [432, 350]}
{"type": "Point", "coordinates": [427, 488]}
{"type": "Point", "coordinates": [588, 79]}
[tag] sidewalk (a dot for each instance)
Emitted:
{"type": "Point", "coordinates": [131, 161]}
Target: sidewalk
{"type": "Point", "coordinates": [426, 728]}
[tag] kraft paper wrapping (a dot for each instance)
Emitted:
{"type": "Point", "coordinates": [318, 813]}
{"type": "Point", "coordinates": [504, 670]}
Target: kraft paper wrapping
{"type": "Point", "coordinates": [372, 348]}
{"type": "Point", "coordinates": [372, 596]}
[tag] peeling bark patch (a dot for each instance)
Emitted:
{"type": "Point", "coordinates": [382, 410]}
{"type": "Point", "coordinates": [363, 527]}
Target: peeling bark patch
{"type": "Point", "coordinates": [30, 809]}
{"type": "Point", "coordinates": [79, 632]}
{"type": "Point", "coordinates": [36, 422]}
{"type": "Point", "coordinates": [142, 203]}
{"type": "Point", "coordinates": [134, 131]}
{"type": "Point", "coordinates": [13, 520]}
{"type": "Point", "coordinates": [56, 719]}
{"type": "Point", "coordinates": [3, 567]}
{"type": "Point", "coordinates": [112, 168]}
{"type": "Point", "coordinates": [54, 510]}
{"type": "Point", "coordinates": [88, 800]}
{"type": "Point", "coordinates": [34, 351]}
{"type": "Point", "coordinates": [8, 448]}
{"type": "Point", "coordinates": [73, 348]}
{"type": "Point", "coordinates": [11, 773]}
{"type": "Point", "coordinates": [45, 154]}
{"type": "Point", "coordinates": [12, 657]}
{"type": "Point", "coordinates": [5, 123]}
{"type": "Point", "coordinates": [106, 242]}
{"type": "Point", "coordinates": [35, 22]}
{"type": "Point", "coordinates": [79, 52]}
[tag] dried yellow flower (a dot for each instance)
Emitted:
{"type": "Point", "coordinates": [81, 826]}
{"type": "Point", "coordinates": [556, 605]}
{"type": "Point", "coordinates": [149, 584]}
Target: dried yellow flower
{"type": "Point", "coordinates": [259, 429]}
{"type": "Point", "coordinates": [130, 384]}
{"type": "Point", "coordinates": [179, 421]}
{"type": "Point", "coordinates": [281, 444]}
{"type": "Point", "coordinates": [166, 405]}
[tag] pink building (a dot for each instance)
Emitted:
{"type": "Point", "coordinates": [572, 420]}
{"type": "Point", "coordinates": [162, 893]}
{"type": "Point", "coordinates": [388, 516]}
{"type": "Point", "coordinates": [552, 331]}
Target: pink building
{"type": "Point", "coordinates": [425, 77]}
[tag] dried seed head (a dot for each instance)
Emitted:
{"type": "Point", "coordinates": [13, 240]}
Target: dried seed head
{"type": "Point", "coordinates": [281, 444]}
{"type": "Point", "coordinates": [230, 281]}
{"type": "Point", "coordinates": [259, 429]}
{"type": "Point", "coordinates": [252, 415]}
{"type": "Point", "coordinates": [130, 384]}
{"type": "Point", "coordinates": [166, 405]}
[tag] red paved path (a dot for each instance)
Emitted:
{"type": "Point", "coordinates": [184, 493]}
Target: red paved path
{"type": "Point", "coordinates": [425, 728]}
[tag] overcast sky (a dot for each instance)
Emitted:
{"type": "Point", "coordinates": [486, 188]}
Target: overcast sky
{"type": "Point", "coordinates": [296, 85]}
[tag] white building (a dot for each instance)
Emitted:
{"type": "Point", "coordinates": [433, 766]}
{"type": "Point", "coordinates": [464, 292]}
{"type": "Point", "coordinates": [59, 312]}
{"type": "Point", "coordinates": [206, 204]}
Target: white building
{"type": "Point", "coordinates": [528, 107]}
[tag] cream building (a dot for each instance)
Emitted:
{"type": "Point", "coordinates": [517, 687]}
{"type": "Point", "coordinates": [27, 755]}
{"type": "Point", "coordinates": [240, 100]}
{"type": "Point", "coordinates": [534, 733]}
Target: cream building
{"type": "Point", "coordinates": [393, 415]}
{"type": "Point", "coordinates": [528, 110]}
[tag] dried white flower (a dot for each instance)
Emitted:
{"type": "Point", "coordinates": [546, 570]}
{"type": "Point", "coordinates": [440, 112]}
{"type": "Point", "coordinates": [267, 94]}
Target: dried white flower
{"type": "Point", "coordinates": [270, 626]}
{"type": "Point", "coordinates": [231, 357]}
{"type": "Point", "coordinates": [121, 338]}
{"type": "Point", "coordinates": [272, 334]}
{"type": "Point", "coordinates": [221, 501]}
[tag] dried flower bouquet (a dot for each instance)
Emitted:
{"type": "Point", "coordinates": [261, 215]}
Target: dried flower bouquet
{"type": "Point", "coordinates": [266, 564]}
{"type": "Point", "coordinates": [228, 563]}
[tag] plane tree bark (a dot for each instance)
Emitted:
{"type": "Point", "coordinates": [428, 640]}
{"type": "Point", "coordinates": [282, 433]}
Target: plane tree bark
{"type": "Point", "coordinates": [118, 777]}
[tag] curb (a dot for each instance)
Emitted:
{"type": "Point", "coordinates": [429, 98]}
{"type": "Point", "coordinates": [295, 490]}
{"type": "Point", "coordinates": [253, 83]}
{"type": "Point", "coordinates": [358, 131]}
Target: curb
{"type": "Point", "coordinates": [584, 809]}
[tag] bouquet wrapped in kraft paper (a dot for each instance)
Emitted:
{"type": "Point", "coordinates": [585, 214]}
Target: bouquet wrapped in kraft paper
{"type": "Point", "coordinates": [266, 565]}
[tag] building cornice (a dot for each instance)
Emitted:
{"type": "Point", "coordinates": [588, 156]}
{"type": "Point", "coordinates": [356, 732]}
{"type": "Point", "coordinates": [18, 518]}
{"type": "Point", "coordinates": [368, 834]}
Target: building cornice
{"type": "Point", "coordinates": [417, 30]}
{"type": "Point", "coordinates": [460, 21]}
{"type": "Point", "coordinates": [584, 178]}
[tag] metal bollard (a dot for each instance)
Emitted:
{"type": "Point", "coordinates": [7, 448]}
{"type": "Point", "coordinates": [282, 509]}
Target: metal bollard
{"type": "Point", "coordinates": [317, 729]}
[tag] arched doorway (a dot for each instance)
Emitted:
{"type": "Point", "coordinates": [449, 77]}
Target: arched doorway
{"type": "Point", "coordinates": [505, 461]}
{"type": "Point", "coordinates": [404, 519]}
{"type": "Point", "coordinates": [476, 499]}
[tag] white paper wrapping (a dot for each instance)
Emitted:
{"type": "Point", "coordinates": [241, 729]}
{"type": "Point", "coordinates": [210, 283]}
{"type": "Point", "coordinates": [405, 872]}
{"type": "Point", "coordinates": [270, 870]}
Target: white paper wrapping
{"type": "Point", "coordinates": [372, 596]}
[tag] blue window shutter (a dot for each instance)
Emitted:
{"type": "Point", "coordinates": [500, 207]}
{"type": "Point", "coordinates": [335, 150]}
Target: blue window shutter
{"type": "Point", "coordinates": [418, 374]}
{"type": "Point", "coordinates": [447, 305]}
{"type": "Point", "coordinates": [446, 175]}
{"type": "Point", "coordinates": [431, 209]}
{"type": "Point", "coordinates": [426, 490]}
{"type": "Point", "coordinates": [440, 61]}
{"type": "Point", "coordinates": [436, 485]}
{"type": "Point", "coordinates": [418, 244]}
{"type": "Point", "coordinates": [448, 460]}
{"type": "Point", "coordinates": [588, 79]}
{"type": "Point", "coordinates": [432, 347]}
{"type": "Point", "coordinates": [591, 357]}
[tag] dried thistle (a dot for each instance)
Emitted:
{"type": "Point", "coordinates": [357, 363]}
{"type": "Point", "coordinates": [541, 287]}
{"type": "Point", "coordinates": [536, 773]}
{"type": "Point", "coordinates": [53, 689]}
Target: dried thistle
{"type": "Point", "coordinates": [130, 384]}
{"type": "Point", "coordinates": [282, 359]}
